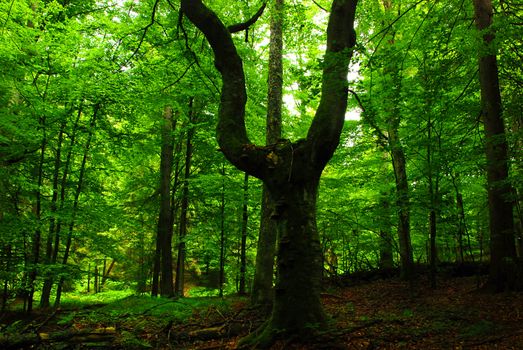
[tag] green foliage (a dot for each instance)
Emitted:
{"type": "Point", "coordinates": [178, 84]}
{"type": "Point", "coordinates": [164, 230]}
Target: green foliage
{"type": "Point", "coordinates": [136, 308]}
{"type": "Point", "coordinates": [82, 299]}
{"type": "Point", "coordinates": [129, 340]}
{"type": "Point", "coordinates": [101, 73]}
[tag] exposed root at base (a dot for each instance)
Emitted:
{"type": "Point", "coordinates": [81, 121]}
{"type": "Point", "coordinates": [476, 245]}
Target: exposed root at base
{"type": "Point", "coordinates": [266, 336]}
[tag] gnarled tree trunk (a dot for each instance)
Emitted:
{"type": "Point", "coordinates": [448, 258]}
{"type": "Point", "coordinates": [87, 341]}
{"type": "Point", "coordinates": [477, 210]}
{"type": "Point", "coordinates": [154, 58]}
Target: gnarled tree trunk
{"type": "Point", "coordinates": [290, 170]}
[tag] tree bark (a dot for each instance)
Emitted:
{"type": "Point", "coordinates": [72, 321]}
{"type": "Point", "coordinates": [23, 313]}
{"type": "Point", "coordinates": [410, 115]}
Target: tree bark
{"type": "Point", "coordinates": [222, 234]}
{"type": "Point", "coordinates": [386, 247]}
{"type": "Point", "coordinates": [37, 211]}
{"type": "Point", "coordinates": [433, 195]}
{"type": "Point", "coordinates": [95, 278]}
{"type": "Point", "coordinates": [165, 219]}
{"type": "Point", "coordinates": [262, 292]}
{"type": "Point", "coordinates": [402, 201]}
{"type": "Point", "coordinates": [243, 243]}
{"type": "Point", "coordinates": [180, 265]}
{"type": "Point", "coordinates": [7, 269]}
{"type": "Point", "coordinates": [155, 286]}
{"type": "Point", "coordinates": [291, 170]}
{"type": "Point", "coordinates": [398, 161]}
{"type": "Point", "coordinates": [76, 200]}
{"type": "Point", "coordinates": [502, 244]}
{"type": "Point", "coordinates": [162, 282]}
{"type": "Point", "coordinates": [88, 277]}
{"type": "Point", "coordinates": [52, 251]}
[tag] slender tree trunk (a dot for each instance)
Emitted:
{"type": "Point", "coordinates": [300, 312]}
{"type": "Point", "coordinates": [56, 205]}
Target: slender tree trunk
{"type": "Point", "coordinates": [433, 247]}
{"type": "Point", "coordinates": [155, 284]}
{"type": "Point", "coordinates": [102, 276]}
{"type": "Point", "coordinates": [7, 270]}
{"type": "Point", "coordinates": [88, 278]}
{"type": "Point", "coordinates": [243, 243]}
{"type": "Point", "coordinates": [95, 278]}
{"type": "Point", "coordinates": [399, 165]}
{"type": "Point", "coordinates": [461, 228]}
{"type": "Point", "coordinates": [44, 301]}
{"type": "Point", "coordinates": [52, 252]}
{"type": "Point", "coordinates": [262, 293]}
{"type": "Point", "coordinates": [222, 234]}
{"type": "Point", "coordinates": [386, 256]}
{"type": "Point", "coordinates": [463, 232]}
{"type": "Point", "coordinates": [37, 210]}
{"type": "Point", "coordinates": [519, 225]}
{"type": "Point", "coordinates": [433, 193]}
{"type": "Point", "coordinates": [165, 219]}
{"type": "Point", "coordinates": [402, 201]}
{"type": "Point", "coordinates": [76, 200]}
{"type": "Point", "coordinates": [180, 265]}
{"type": "Point", "coordinates": [65, 175]}
{"type": "Point", "coordinates": [107, 272]}
{"type": "Point", "coordinates": [174, 207]}
{"type": "Point", "coordinates": [502, 244]}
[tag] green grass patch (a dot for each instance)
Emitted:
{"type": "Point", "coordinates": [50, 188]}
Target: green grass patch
{"type": "Point", "coordinates": [134, 307]}
{"type": "Point", "coordinates": [80, 299]}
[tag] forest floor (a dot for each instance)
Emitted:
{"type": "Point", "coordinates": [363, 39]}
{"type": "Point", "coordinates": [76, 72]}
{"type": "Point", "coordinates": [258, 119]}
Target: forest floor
{"type": "Point", "coordinates": [380, 314]}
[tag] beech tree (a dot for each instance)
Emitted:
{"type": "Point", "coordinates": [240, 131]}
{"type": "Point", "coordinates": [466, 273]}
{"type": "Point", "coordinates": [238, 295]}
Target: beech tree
{"type": "Point", "coordinates": [290, 170]}
{"type": "Point", "coordinates": [502, 244]}
{"type": "Point", "coordinates": [263, 275]}
{"type": "Point", "coordinates": [163, 257]}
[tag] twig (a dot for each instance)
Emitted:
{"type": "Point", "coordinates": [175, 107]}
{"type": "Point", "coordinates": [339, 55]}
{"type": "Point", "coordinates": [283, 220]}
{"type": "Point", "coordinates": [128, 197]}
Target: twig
{"type": "Point", "coordinates": [321, 7]}
{"type": "Point", "coordinates": [188, 47]}
{"type": "Point", "coordinates": [472, 78]}
{"type": "Point", "coordinates": [8, 16]}
{"type": "Point", "coordinates": [180, 77]}
{"type": "Point", "coordinates": [145, 29]}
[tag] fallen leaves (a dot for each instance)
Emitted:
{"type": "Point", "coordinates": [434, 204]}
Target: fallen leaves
{"type": "Point", "coordinates": [382, 314]}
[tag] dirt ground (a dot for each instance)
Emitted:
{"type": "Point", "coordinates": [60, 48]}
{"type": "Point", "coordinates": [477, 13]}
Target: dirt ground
{"type": "Point", "coordinates": [380, 314]}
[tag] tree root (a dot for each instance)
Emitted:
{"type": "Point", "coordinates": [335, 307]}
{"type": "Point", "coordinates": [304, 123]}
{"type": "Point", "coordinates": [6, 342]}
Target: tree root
{"type": "Point", "coordinates": [267, 335]}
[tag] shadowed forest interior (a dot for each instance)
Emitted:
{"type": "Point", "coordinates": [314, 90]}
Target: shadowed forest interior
{"type": "Point", "coordinates": [188, 174]}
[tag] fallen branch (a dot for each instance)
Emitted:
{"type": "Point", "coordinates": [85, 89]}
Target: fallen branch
{"type": "Point", "coordinates": [36, 327]}
{"type": "Point", "coordinates": [77, 337]}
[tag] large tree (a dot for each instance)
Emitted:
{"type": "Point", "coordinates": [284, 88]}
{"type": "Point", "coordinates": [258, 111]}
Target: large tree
{"type": "Point", "coordinates": [502, 244]}
{"type": "Point", "coordinates": [290, 170]}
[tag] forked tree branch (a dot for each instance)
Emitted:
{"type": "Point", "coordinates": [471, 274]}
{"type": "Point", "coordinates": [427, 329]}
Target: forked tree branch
{"type": "Point", "coordinates": [145, 29]}
{"type": "Point", "coordinates": [324, 133]}
{"type": "Point", "coordinates": [238, 27]}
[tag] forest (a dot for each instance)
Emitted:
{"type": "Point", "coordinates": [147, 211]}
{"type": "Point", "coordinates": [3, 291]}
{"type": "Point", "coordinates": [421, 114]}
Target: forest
{"type": "Point", "coordinates": [261, 174]}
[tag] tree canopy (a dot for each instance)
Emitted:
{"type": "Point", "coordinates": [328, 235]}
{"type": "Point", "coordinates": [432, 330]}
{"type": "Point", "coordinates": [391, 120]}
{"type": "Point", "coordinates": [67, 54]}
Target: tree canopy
{"type": "Point", "coordinates": [134, 146]}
